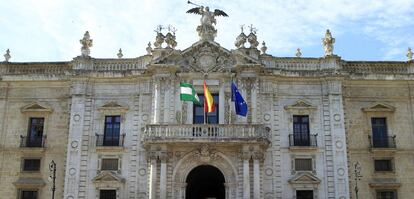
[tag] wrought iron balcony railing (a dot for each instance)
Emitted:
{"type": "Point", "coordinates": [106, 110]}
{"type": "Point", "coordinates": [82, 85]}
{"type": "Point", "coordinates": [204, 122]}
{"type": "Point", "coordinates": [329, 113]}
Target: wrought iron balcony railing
{"type": "Point", "coordinates": [104, 141]}
{"type": "Point", "coordinates": [204, 132]}
{"type": "Point", "coordinates": [301, 140]}
{"type": "Point", "coordinates": [35, 141]}
{"type": "Point", "coordinates": [382, 142]}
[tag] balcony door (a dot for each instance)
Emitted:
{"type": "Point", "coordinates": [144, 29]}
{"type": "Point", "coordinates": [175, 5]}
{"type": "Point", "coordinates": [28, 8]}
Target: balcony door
{"type": "Point", "coordinates": [112, 129]}
{"type": "Point", "coordinates": [35, 134]}
{"type": "Point", "coordinates": [301, 135]}
{"type": "Point", "coordinates": [199, 115]}
{"type": "Point", "coordinates": [379, 132]}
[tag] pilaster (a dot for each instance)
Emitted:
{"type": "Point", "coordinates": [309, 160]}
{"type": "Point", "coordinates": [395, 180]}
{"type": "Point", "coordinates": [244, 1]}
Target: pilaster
{"type": "Point", "coordinates": [335, 140]}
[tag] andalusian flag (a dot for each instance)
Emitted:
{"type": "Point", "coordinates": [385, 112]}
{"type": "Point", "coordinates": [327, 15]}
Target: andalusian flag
{"type": "Point", "coordinates": [188, 93]}
{"type": "Point", "coordinates": [208, 100]}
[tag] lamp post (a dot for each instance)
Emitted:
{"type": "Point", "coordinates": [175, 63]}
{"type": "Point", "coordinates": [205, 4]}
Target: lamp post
{"type": "Point", "coordinates": [357, 173]}
{"type": "Point", "coordinates": [52, 169]}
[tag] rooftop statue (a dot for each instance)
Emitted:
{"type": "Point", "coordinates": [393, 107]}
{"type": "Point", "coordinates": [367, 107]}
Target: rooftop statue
{"type": "Point", "coordinates": [206, 30]}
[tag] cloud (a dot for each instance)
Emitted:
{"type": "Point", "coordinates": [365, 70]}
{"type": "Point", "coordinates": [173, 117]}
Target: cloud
{"type": "Point", "coordinates": [50, 30]}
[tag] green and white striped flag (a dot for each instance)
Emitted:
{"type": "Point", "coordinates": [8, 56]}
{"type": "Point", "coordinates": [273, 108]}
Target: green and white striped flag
{"type": "Point", "coordinates": [188, 93]}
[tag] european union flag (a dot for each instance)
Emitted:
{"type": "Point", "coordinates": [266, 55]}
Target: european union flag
{"type": "Point", "coordinates": [239, 103]}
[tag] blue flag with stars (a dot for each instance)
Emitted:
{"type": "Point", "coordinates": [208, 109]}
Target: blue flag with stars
{"type": "Point", "coordinates": [239, 103]}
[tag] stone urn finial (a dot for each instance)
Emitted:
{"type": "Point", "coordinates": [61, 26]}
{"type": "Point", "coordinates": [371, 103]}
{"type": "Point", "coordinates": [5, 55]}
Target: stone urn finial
{"type": "Point", "coordinates": [263, 48]}
{"type": "Point", "coordinates": [298, 53]}
{"type": "Point", "coordinates": [241, 39]}
{"type": "Point", "coordinates": [86, 43]}
{"type": "Point", "coordinates": [409, 54]}
{"type": "Point", "coordinates": [149, 49]}
{"type": "Point", "coordinates": [252, 38]}
{"type": "Point", "coordinates": [7, 56]}
{"type": "Point", "coordinates": [120, 55]}
{"type": "Point", "coordinates": [328, 42]}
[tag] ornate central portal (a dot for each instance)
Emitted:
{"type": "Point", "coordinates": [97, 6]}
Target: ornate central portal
{"type": "Point", "coordinates": [205, 182]}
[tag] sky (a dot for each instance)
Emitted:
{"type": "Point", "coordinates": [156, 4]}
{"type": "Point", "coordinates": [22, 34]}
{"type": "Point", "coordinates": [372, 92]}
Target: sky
{"type": "Point", "coordinates": [50, 30]}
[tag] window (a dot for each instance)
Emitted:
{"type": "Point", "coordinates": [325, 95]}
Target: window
{"type": "Point", "coordinates": [107, 194]}
{"type": "Point", "coordinates": [112, 129]}
{"type": "Point", "coordinates": [379, 132]}
{"type": "Point", "coordinates": [383, 165]}
{"type": "Point", "coordinates": [198, 112]}
{"type": "Point", "coordinates": [301, 135]}
{"type": "Point", "coordinates": [35, 134]}
{"type": "Point", "coordinates": [303, 164]}
{"type": "Point", "coordinates": [28, 194]}
{"type": "Point", "coordinates": [31, 165]}
{"type": "Point", "coordinates": [109, 164]}
{"type": "Point", "coordinates": [386, 194]}
{"type": "Point", "coordinates": [304, 194]}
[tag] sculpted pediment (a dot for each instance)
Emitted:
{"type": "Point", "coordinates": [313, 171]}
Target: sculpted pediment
{"type": "Point", "coordinates": [300, 104]}
{"type": "Point", "coordinates": [113, 106]}
{"type": "Point", "coordinates": [108, 176]}
{"type": "Point", "coordinates": [305, 178]}
{"type": "Point", "coordinates": [205, 57]}
{"type": "Point", "coordinates": [379, 107]}
{"type": "Point", "coordinates": [36, 107]}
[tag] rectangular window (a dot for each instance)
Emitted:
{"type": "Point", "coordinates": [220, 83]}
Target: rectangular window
{"type": "Point", "coordinates": [301, 136]}
{"type": "Point", "coordinates": [379, 132]}
{"type": "Point", "coordinates": [303, 164]}
{"type": "Point", "coordinates": [304, 194]}
{"type": "Point", "coordinates": [198, 112]}
{"type": "Point", "coordinates": [107, 194]}
{"type": "Point", "coordinates": [31, 165]}
{"type": "Point", "coordinates": [112, 129]}
{"type": "Point", "coordinates": [109, 164]}
{"type": "Point", "coordinates": [35, 134]}
{"type": "Point", "coordinates": [386, 194]}
{"type": "Point", "coordinates": [383, 165]}
{"type": "Point", "coordinates": [28, 194]}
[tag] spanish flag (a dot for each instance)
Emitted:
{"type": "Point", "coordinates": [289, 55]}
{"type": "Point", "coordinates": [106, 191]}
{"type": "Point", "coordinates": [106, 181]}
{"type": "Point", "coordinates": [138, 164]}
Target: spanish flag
{"type": "Point", "coordinates": [208, 100]}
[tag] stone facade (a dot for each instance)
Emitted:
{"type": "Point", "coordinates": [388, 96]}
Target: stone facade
{"type": "Point", "coordinates": [160, 144]}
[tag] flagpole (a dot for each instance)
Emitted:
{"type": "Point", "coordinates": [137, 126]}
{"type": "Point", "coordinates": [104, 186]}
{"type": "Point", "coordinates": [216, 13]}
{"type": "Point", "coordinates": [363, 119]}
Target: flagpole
{"type": "Point", "coordinates": [231, 93]}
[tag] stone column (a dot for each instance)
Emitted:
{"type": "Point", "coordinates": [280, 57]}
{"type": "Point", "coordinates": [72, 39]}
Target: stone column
{"type": "Point", "coordinates": [246, 178]}
{"type": "Point", "coordinates": [222, 102]}
{"type": "Point", "coordinates": [253, 99]}
{"type": "Point", "coordinates": [163, 177]}
{"type": "Point", "coordinates": [157, 99]}
{"type": "Point", "coordinates": [153, 179]}
{"type": "Point", "coordinates": [256, 178]}
{"type": "Point", "coordinates": [167, 97]}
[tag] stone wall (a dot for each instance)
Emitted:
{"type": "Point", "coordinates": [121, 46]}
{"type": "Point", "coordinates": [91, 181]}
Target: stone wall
{"type": "Point", "coordinates": [15, 107]}
{"type": "Point", "coordinates": [392, 100]}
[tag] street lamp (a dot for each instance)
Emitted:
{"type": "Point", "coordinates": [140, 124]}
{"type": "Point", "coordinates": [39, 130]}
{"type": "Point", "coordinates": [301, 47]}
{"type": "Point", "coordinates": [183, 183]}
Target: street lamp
{"type": "Point", "coordinates": [52, 169]}
{"type": "Point", "coordinates": [357, 173]}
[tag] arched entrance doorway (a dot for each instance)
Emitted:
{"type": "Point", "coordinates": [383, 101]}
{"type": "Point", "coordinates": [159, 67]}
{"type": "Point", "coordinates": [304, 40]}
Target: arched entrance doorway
{"type": "Point", "coordinates": [205, 182]}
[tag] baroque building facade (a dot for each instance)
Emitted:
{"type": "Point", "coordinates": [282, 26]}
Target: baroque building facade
{"type": "Point", "coordinates": [117, 129]}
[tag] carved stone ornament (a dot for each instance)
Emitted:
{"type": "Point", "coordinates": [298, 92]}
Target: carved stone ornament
{"type": "Point", "coordinates": [263, 48]}
{"type": "Point", "coordinates": [159, 39]}
{"type": "Point", "coordinates": [149, 49]}
{"type": "Point", "coordinates": [328, 43]}
{"type": "Point", "coordinates": [206, 29]}
{"type": "Point", "coordinates": [240, 40]}
{"type": "Point", "coordinates": [120, 55]}
{"type": "Point", "coordinates": [298, 53]}
{"type": "Point", "coordinates": [205, 153]}
{"type": "Point", "coordinates": [409, 54]}
{"type": "Point", "coordinates": [7, 56]}
{"type": "Point", "coordinates": [300, 105]}
{"type": "Point", "coordinates": [206, 57]}
{"type": "Point", "coordinates": [86, 42]}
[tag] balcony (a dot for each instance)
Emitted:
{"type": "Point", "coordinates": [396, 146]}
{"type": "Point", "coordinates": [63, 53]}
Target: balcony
{"type": "Point", "coordinates": [300, 142]}
{"type": "Point", "coordinates": [202, 133]}
{"type": "Point", "coordinates": [109, 143]}
{"type": "Point", "coordinates": [32, 142]}
{"type": "Point", "coordinates": [382, 143]}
